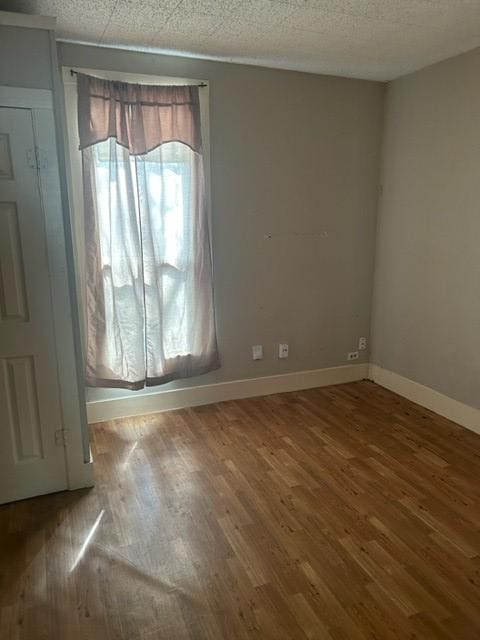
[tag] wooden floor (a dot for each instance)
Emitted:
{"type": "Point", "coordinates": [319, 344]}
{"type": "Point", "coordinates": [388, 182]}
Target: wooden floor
{"type": "Point", "coordinates": [337, 513]}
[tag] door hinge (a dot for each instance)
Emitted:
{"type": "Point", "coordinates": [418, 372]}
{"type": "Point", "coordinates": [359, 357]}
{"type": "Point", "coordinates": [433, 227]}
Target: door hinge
{"type": "Point", "coordinates": [31, 159]}
{"type": "Point", "coordinates": [36, 158]}
{"type": "Point", "coordinates": [61, 437]}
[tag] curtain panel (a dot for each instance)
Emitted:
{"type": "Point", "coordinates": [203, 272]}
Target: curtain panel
{"type": "Point", "coordinates": [149, 294]}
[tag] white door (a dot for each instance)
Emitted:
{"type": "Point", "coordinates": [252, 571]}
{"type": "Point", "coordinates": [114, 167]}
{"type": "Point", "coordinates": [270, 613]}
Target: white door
{"type": "Point", "coordinates": [32, 455]}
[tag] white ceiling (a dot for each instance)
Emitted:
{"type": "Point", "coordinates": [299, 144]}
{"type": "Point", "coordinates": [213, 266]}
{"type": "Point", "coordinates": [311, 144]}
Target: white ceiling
{"type": "Point", "coordinates": [375, 39]}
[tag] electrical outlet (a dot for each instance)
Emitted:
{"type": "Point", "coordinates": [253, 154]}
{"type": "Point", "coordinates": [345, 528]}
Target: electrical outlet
{"type": "Point", "coordinates": [283, 350]}
{"type": "Point", "coordinates": [257, 352]}
{"type": "Point", "coordinates": [362, 343]}
{"type": "Point", "coordinates": [353, 355]}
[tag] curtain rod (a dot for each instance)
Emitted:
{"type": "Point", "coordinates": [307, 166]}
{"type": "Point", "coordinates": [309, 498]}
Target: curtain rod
{"type": "Point", "coordinates": [202, 84]}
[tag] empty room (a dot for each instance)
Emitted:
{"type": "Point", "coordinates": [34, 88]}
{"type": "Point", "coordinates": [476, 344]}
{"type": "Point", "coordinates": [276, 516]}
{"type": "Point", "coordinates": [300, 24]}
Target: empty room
{"type": "Point", "coordinates": [239, 319]}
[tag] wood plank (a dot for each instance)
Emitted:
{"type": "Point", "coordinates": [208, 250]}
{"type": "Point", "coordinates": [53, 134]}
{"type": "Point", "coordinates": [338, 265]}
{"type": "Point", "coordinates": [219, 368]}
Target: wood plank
{"type": "Point", "coordinates": [340, 513]}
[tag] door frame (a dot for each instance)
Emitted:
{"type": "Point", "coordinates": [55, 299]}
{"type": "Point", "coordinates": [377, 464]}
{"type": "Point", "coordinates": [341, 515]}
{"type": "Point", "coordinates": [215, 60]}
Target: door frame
{"type": "Point", "coordinates": [40, 102]}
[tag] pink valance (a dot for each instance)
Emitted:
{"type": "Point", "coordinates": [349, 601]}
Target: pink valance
{"type": "Point", "coordinates": [140, 117]}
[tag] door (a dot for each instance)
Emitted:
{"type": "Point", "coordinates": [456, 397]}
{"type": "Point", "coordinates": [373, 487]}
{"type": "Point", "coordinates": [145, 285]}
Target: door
{"type": "Point", "coordinates": [32, 455]}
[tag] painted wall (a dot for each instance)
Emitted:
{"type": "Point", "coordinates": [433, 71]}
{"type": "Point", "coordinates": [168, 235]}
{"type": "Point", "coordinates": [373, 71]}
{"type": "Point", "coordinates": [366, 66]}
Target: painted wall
{"type": "Point", "coordinates": [426, 320]}
{"type": "Point", "coordinates": [25, 58]}
{"type": "Point", "coordinates": [294, 164]}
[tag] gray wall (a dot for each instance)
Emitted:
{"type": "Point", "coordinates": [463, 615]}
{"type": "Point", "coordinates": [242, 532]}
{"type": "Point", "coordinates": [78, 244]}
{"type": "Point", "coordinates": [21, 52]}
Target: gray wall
{"type": "Point", "coordinates": [426, 322]}
{"type": "Point", "coordinates": [295, 156]}
{"type": "Point", "coordinates": [25, 58]}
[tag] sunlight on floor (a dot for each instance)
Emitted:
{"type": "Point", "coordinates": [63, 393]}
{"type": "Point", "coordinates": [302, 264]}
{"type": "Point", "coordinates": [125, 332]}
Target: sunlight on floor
{"type": "Point", "coordinates": [87, 540]}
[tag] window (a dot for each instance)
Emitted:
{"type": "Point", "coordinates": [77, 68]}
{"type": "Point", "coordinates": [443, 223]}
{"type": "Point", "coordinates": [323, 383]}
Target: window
{"type": "Point", "coordinates": [162, 178]}
{"type": "Point", "coordinates": [146, 226]}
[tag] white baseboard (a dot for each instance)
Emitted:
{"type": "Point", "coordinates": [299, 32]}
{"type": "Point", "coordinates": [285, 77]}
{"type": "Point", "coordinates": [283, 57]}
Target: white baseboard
{"type": "Point", "coordinates": [139, 404]}
{"type": "Point", "coordinates": [142, 403]}
{"type": "Point", "coordinates": [463, 414]}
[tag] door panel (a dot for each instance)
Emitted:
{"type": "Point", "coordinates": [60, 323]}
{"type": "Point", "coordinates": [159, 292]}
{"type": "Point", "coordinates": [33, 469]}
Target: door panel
{"type": "Point", "coordinates": [6, 170]}
{"type": "Point", "coordinates": [22, 407]}
{"type": "Point", "coordinates": [13, 299]}
{"type": "Point", "coordinates": [32, 456]}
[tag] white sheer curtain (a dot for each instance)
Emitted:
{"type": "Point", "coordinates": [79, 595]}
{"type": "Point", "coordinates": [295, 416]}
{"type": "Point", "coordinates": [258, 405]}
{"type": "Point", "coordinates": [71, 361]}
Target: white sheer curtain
{"type": "Point", "coordinates": [149, 291]}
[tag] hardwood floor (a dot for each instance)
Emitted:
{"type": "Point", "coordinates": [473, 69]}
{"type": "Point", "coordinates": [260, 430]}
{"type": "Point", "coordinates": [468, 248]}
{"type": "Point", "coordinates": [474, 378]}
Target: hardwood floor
{"type": "Point", "coordinates": [337, 513]}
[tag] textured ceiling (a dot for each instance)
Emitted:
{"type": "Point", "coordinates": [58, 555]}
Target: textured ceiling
{"type": "Point", "coordinates": [375, 39]}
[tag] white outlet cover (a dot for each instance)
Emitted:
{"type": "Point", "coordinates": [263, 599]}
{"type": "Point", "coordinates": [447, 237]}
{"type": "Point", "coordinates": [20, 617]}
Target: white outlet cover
{"type": "Point", "coordinates": [353, 355]}
{"type": "Point", "coordinates": [257, 352]}
{"type": "Point", "coordinates": [362, 343]}
{"type": "Point", "coordinates": [283, 350]}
